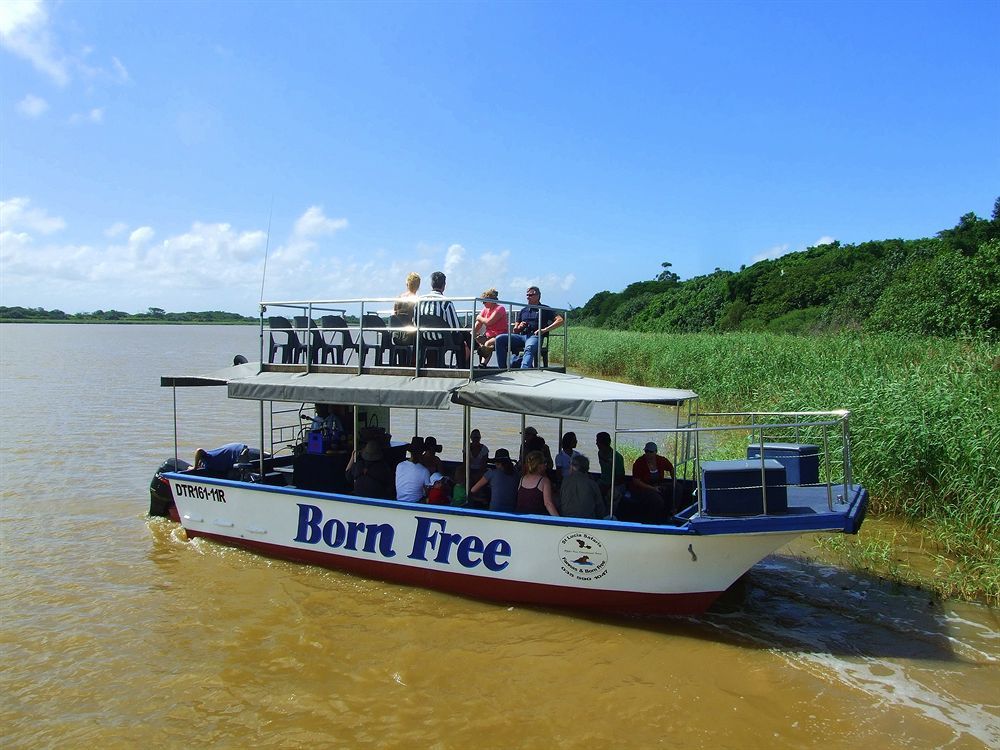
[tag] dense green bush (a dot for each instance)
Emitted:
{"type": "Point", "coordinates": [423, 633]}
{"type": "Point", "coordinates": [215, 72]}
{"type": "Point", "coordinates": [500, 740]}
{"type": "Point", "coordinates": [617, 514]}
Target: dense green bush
{"type": "Point", "coordinates": [942, 286]}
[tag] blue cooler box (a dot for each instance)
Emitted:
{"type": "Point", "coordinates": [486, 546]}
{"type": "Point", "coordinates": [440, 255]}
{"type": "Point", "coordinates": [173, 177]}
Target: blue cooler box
{"type": "Point", "coordinates": [801, 460]}
{"type": "Point", "coordinates": [732, 488]}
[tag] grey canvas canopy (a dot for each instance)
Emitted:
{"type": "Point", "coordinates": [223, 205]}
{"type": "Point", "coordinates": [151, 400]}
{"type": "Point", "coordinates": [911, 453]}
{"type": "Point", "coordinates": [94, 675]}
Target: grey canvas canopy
{"type": "Point", "coordinates": [556, 394]}
{"type": "Point", "coordinates": [537, 392]}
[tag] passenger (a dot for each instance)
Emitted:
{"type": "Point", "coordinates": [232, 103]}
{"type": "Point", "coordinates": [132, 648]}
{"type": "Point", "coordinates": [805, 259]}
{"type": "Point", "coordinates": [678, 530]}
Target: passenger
{"type": "Point", "coordinates": [579, 495]}
{"type": "Point", "coordinates": [502, 480]}
{"type": "Point", "coordinates": [534, 491]}
{"type": "Point", "coordinates": [651, 486]}
{"type": "Point", "coordinates": [477, 455]}
{"type": "Point", "coordinates": [434, 303]}
{"type": "Point", "coordinates": [493, 322]}
{"type": "Point", "coordinates": [537, 442]}
{"type": "Point", "coordinates": [533, 323]}
{"type": "Point", "coordinates": [403, 308]}
{"type": "Point", "coordinates": [411, 475]}
{"type": "Point", "coordinates": [437, 493]}
{"type": "Point", "coordinates": [369, 473]}
{"type": "Point", "coordinates": [566, 453]}
{"type": "Point", "coordinates": [605, 453]}
{"type": "Point", "coordinates": [430, 458]}
{"type": "Point", "coordinates": [459, 497]}
{"type": "Point", "coordinates": [326, 420]}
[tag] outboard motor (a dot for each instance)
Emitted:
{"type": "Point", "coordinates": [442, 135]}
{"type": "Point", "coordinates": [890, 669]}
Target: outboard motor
{"type": "Point", "coordinates": [161, 500]}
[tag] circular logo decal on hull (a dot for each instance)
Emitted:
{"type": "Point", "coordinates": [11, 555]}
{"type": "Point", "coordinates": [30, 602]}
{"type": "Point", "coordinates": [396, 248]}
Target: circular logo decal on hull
{"type": "Point", "coordinates": [583, 557]}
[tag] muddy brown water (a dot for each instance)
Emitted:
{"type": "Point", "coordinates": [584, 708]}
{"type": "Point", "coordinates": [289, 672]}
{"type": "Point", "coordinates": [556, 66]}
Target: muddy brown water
{"type": "Point", "coordinates": [116, 631]}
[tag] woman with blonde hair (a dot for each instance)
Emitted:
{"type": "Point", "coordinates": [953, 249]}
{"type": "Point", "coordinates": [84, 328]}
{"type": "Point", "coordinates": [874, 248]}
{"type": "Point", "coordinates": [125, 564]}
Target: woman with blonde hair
{"type": "Point", "coordinates": [403, 309]}
{"type": "Point", "coordinates": [534, 492]}
{"type": "Point", "coordinates": [493, 322]}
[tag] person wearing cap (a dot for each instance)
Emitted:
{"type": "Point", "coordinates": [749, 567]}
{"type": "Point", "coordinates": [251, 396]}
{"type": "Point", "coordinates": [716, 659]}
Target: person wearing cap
{"type": "Point", "coordinates": [653, 482]}
{"type": "Point", "coordinates": [579, 495]}
{"type": "Point", "coordinates": [437, 493]}
{"type": "Point", "coordinates": [411, 475]}
{"type": "Point", "coordinates": [502, 480]}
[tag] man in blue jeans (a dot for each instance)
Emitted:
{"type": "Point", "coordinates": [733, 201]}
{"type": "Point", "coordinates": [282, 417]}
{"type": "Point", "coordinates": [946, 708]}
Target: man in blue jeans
{"type": "Point", "coordinates": [533, 323]}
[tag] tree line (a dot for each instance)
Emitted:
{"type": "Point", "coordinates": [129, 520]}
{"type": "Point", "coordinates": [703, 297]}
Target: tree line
{"type": "Point", "coordinates": [947, 285]}
{"type": "Point", "coordinates": [152, 315]}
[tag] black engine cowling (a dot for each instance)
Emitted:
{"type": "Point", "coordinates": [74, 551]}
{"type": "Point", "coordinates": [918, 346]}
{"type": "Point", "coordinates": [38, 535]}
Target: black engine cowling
{"type": "Point", "coordinates": [160, 497]}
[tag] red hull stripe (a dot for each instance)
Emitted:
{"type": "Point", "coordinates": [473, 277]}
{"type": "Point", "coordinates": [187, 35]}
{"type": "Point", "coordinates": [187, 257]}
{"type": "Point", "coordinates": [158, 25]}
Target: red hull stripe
{"type": "Point", "coordinates": [492, 589]}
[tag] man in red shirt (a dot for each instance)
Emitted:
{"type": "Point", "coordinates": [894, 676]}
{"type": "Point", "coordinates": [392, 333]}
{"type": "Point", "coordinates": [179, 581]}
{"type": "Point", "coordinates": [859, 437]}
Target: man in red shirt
{"type": "Point", "coordinates": [653, 483]}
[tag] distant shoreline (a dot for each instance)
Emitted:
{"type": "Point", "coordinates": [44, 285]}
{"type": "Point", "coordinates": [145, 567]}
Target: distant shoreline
{"type": "Point", "coordinates": [34, 321]}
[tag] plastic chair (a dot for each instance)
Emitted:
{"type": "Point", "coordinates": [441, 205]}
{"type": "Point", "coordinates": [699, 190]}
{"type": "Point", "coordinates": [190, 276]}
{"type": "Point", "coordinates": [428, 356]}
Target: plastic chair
{"type": "Point", "coordinates": [284, 339]}
{"type": "Point", "coordinates": [373, 327]}
{"type": "Point", "coordinates": [402, 342]}
{"type": "Point", "coordinates": [438, 338]}
{"type": "Point", "coordinates": [334, 329]}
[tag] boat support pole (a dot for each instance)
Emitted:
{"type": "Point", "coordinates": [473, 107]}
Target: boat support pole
{"type": "Point", "coordinates": [467, 459]}
{"type": "Point", "coordinates": [261, 457]}
{"type": "Point", "coordinates": [614, 449]}
{"type": "Point", "coordinates": [174, 389]}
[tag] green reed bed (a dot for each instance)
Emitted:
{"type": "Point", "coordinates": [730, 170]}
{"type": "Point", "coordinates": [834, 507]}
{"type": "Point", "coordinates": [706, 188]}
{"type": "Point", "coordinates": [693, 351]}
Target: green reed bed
{"type": "Point", "coordinates": [925, 417]}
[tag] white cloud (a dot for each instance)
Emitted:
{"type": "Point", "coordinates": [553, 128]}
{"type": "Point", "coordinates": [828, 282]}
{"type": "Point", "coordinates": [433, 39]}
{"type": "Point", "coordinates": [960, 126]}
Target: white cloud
{"type": "Point", "coordinates": [313, 223]}
{"type": "Point", "coordinates": [778, 250]}
{"type": "Point", "coordinates": [16, 214]}
{"type": "Point", "coordinates": [141, 236]}
{"type": "Point", "coordinates": [24, 31]}
{"type": "Point", "coordinates": [121, 72]}
{"type": "Point", "coordinates": [94, 116]}
{"type": "Point", "coordinates": [116, 229]}
{"type": "Point", "coordinates": [771, 253]}
{"type": "Point", "coordinates": [32, 106]}
{"type": "Point", "coordinates": [218, 266]}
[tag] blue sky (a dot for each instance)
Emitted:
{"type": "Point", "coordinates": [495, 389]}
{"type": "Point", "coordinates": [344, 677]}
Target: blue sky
{"type": "Point", "coordinates": [145, 148]}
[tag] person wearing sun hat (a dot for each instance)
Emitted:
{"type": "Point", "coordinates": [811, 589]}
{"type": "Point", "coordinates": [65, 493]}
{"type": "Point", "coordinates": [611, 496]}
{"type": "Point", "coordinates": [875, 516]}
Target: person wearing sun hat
{"type": "Point", "coordinates": [411, 475]}
{"type": "Point", "coordinates": [653, 483]}
{"type": "Point", "coordinates": [502, 480]}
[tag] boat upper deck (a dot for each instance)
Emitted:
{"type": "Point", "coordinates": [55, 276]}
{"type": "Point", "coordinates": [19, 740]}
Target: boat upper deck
{"type": "Point", "coordinates": [410, 337]}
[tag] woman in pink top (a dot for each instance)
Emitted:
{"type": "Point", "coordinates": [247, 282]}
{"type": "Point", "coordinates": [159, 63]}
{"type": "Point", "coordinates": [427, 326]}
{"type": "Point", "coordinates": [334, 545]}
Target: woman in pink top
{"type": "Point", "coordinates": [493, 321]}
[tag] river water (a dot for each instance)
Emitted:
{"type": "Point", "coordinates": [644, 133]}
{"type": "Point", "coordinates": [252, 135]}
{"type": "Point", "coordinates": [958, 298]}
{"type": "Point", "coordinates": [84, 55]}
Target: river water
{"type": "Point", "coordinates": [117, 632]}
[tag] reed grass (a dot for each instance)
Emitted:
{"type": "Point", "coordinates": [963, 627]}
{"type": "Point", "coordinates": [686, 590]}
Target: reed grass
{"type": "Point", "coordinates": [925, 413]}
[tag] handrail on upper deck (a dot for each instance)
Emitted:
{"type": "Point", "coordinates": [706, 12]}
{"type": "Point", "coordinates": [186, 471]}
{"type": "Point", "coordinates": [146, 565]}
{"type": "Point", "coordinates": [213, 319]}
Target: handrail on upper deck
{"type": "Point", "coordinates": [358, 308]}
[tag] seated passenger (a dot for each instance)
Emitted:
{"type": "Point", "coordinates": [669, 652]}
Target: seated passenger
{"type": "Point", "coordinates": [477, 455]}
{"type": "Point", "coordinates": [534, 492]}
{"type": "Point", "coordinates": [567, 451]}
{"type": "Point", "coordinates": [369, 473]}
{"type": "Point", "coordinates": [490, 323]}
{"type": "Point", "coordinates": [437, 493]}
{"type": "Point", "coordinates": [459, 497]}
{"type": "Point", "coordinates": [579, 495]}
{"type": "Point", "coordinates": [605, 455]}
{"type": "Point", "coordinates": [502, 481]}
{"type": "Point", "coordinates": [653, 484]}
{"type": "Point", "coordinates": [430, 458]}
{"type": "Point", "coordinates": [411, 475]}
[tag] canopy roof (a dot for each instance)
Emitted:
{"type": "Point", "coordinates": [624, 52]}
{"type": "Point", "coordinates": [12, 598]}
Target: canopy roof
{"type": "Point", "coordinates": [536, 392]}
{"type": "Point", "coordinates": [545, 393]}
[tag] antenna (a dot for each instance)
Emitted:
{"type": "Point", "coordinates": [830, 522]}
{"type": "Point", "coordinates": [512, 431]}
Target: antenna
{"type": "Point", "coordinates": [267, 244]}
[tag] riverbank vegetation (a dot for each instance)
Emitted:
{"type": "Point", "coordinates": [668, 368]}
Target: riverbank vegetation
{"type": "Point", "coordinates": [152, 315]}
{"type": "Point", "coordinates": [924, 416]}
{"type": "Point", "coordinates": [948, 285]}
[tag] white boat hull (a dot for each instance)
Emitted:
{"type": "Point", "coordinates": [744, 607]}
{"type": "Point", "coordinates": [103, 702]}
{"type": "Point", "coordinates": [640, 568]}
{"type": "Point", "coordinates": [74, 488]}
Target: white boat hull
{"type": "Point", "coordinates": [539, 560]}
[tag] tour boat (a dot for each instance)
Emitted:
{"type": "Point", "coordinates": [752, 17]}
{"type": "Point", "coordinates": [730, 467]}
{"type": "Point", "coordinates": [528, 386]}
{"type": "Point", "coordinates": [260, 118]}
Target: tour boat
{"type": "Point", "coordinates": [747, 483]}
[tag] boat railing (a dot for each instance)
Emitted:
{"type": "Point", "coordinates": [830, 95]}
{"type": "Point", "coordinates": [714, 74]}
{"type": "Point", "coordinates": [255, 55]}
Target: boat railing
{"type": "Point", "coordinates": [367, 335]}
{"type": "Point", "coordinates": [813, 447]}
